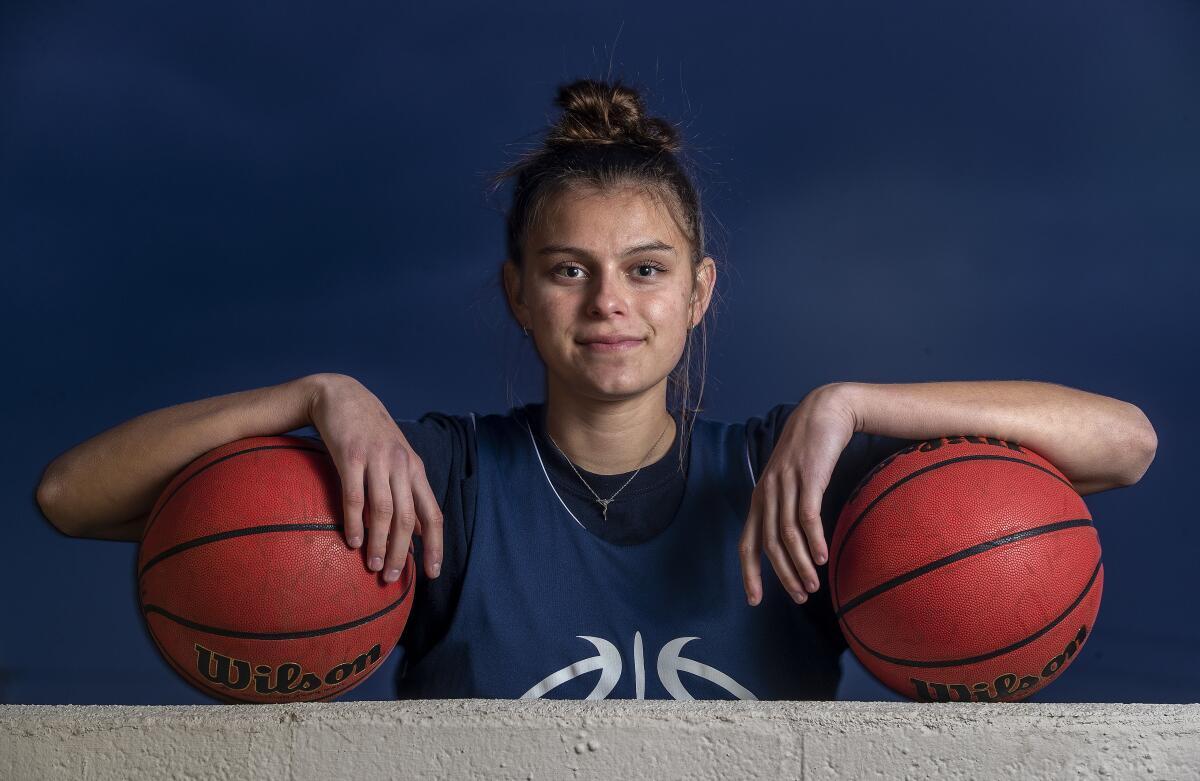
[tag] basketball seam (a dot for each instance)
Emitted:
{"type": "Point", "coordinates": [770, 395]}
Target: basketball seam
{"type": "Point", "coordinates": [924, 470]}
{"type": "Point", "coordinates": [213, 463]}
{"type": "Point", "coordinates": [212, 630]}
{"type": "Point", "coordinates": [264, 529]}
{"type": "Point", "coordinates": [991, 654]}
{"type": "Point", "coordinates": [974, 550]}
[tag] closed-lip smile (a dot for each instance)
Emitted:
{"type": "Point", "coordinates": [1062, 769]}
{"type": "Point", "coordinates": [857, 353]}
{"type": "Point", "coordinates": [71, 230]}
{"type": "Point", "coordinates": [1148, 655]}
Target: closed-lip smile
{"type": "Point", "coordinates": [611, 339]}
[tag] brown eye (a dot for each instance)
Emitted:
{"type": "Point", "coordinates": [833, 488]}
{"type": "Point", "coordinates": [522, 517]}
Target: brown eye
{"type": "Point", "coordinates": [566, 267]}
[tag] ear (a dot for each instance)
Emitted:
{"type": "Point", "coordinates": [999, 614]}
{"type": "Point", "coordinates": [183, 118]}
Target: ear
{"type": "Point", "coordinates": [706, 282]}
{"type": "Point", "coordinates": [514, 293]}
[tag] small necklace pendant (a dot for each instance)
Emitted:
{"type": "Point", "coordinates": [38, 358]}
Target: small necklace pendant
{"type": "Point", "coordinates": [604, 505]}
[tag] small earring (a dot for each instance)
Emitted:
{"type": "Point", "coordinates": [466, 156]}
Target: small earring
{"type": "Point", "coordinates": [525, 329]}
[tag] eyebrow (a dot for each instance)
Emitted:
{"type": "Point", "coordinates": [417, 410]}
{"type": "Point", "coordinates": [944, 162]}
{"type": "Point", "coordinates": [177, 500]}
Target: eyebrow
{"type": "Point", "coordinates": [649, 246]}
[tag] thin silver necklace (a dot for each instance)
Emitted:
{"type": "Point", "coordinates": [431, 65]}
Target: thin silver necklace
{"type": "Point", "coordinates": [605, 502]}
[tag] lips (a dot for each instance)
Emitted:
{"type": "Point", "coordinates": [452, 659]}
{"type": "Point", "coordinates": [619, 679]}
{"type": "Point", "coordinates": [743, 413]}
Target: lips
{"type": "Point", "coordinates": [611, 339]}
{"type": "Point", "coordinates": [612, 347]}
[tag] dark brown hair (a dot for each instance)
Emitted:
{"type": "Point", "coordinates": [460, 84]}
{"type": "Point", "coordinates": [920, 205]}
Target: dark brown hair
{"type": "Point", "coordinates": [604, 140]}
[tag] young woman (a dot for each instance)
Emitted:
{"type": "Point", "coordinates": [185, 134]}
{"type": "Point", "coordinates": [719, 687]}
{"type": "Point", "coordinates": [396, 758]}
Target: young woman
{"type": "Point", "coordinates": [603, 541]}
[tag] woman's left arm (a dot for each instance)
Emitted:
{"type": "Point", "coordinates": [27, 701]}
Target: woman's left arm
{"type": "Point", "coordinates": [1096, 441]}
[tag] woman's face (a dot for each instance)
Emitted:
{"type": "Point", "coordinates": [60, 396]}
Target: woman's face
{"type": "Point", "coordinates": [604, 265]}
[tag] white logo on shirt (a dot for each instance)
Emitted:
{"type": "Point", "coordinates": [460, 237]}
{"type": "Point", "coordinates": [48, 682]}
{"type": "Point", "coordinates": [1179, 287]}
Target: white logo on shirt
{"type": "Point", "coordinates": [608, 661]}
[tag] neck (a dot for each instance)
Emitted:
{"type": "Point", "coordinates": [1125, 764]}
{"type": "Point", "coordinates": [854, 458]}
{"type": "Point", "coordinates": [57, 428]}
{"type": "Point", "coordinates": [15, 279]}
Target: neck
{"type": "Point", "coordinates": [610, 437]}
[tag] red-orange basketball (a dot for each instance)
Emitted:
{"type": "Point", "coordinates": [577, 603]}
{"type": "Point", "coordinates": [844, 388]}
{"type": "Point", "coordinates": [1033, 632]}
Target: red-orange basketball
{"type": "Point", "coordinates": [965, 569]}
{"type": "Point", "coordinates": [246, 582]}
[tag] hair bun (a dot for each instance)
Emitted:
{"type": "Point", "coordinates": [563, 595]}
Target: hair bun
{"type": "Point", "coordinates": [596, 112]}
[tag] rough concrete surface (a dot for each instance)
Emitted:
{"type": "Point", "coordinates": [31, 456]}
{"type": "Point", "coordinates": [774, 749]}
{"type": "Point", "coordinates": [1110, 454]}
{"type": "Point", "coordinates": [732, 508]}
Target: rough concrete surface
{"type": "Point", "coordinates": [544, 739]}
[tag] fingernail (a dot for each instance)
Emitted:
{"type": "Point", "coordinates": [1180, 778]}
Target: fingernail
{"type": "Point", "coordinates": [392, 575]}
{"type": "Point", "coordinates": [813, 585]}
{"type": "Point", "coordinates": [800, 596]}
{"type": "Point", "coordinates": [820, 558]}
{"type": "Point", "coordinates": [375, 564]}
{"type": "Point", "coordinates": [355, 542]}
{"type": "Point", "coordinates": [437, 568]}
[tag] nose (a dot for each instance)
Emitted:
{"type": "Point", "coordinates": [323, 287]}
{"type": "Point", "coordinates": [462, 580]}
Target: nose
{"type": "Point", "coordinates": [606, 294]}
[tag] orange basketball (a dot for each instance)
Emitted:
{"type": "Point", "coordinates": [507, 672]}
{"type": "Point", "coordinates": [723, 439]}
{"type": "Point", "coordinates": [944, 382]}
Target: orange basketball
{"type": "Point", "coordinates": [248, 587]}
{"type": "Point", "coordinates": [965, 568]}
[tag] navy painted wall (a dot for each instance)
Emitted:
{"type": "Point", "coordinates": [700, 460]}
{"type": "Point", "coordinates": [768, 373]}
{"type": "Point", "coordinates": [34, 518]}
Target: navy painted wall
{"type": "Point", "coordinates": [206, 199]}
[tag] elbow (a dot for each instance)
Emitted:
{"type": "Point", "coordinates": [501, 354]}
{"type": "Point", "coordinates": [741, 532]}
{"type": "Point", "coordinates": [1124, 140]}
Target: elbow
{"type": "Point", "coordinates": [1146, 446]}
{"type": "Point", "coordinates": [46, 497]}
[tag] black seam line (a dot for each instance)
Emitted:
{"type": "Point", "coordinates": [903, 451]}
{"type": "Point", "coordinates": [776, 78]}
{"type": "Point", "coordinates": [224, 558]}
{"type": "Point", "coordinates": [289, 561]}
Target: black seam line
{"type": "Point", "coordinates": [990, 654]}
{"type": "Point", "coordinates": [916, 474]}
{"type": "Point", "coordinates": [982, 547]}
{"type": "Point", "coordinates": [208, 466]}
{"type": "Point", "coordinates": [278, 527]}
{"type": "Point", "coordinates": [214, 630]}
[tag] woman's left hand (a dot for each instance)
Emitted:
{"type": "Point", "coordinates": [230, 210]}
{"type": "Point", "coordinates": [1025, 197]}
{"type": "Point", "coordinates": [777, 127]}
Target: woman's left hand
{"type": "Point", "coordinates": [785, 508]}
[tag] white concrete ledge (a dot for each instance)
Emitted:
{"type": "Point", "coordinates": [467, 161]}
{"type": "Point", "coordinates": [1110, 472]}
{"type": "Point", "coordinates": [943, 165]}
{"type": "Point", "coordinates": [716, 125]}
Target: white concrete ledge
{"type": "Point", "coordinates": [606, 739]}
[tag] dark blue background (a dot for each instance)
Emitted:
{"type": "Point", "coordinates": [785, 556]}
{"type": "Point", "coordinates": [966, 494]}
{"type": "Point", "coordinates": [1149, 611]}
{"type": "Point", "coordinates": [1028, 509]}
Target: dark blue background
{"type": "Point", "coordinates": [203, 199]}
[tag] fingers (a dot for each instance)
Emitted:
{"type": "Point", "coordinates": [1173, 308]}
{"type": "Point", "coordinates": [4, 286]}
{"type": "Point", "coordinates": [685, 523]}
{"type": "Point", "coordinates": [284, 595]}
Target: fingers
{"type": "Point", "coordinates": [795, 532]}
{"type": "Point", "coordinates": [402, 526]}
{"type": "Point", "coordinates": [780, 555]}
{"type": "Point", "coordinates": [810, 514]}
{"type": "Point", "coordinates": [353, 499]}
{"type": "Point", "coordinates": [379, 494]}
{"type": "Point", "coordinates": [396, 490]}
{"type": "Point", "coordinates": [431, 529]}
{"type": "Point", "coordinates": [750, 551]}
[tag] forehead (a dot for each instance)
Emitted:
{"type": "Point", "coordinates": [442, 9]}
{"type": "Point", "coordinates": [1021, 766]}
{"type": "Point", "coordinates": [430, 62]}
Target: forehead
{"type": "Point", "coordinates": [606, 219]}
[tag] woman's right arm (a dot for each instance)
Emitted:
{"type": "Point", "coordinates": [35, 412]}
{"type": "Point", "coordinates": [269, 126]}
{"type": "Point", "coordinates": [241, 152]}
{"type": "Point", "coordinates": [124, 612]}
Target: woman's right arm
{"type": "Point", "coordinates": [106, 486]}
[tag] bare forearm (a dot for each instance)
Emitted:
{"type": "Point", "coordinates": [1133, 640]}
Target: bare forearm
{"type": "Point", "coordinates": [105, 484]}
{"type": "Point", "coordinates": [1096, 441]}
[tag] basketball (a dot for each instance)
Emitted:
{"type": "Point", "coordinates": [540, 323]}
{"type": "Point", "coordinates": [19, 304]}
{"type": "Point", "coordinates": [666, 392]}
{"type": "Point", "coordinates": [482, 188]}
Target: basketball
{"type": "Point", "coordinates": [965, 568]}
{"type": "Point", "coordinates": [246, 583]}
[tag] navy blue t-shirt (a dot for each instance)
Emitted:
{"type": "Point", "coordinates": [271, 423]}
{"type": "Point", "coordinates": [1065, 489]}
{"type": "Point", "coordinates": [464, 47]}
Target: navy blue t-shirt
{"type": "Point", "coordinates": [448, 446]}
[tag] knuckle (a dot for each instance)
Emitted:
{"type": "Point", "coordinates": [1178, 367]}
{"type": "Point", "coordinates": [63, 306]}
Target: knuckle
{"type": "Point", "coordinates": [398, 550]}
{"type": "Point", "coordinates": [791, 535]}
{"type": "Point", "coordinates": [355, 498]}
{"type": "Point", "coordinates": [407, 519]}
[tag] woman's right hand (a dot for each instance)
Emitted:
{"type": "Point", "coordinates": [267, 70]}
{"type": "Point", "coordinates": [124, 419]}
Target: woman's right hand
{"type": "Point", "coordinates": [380, 470]}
